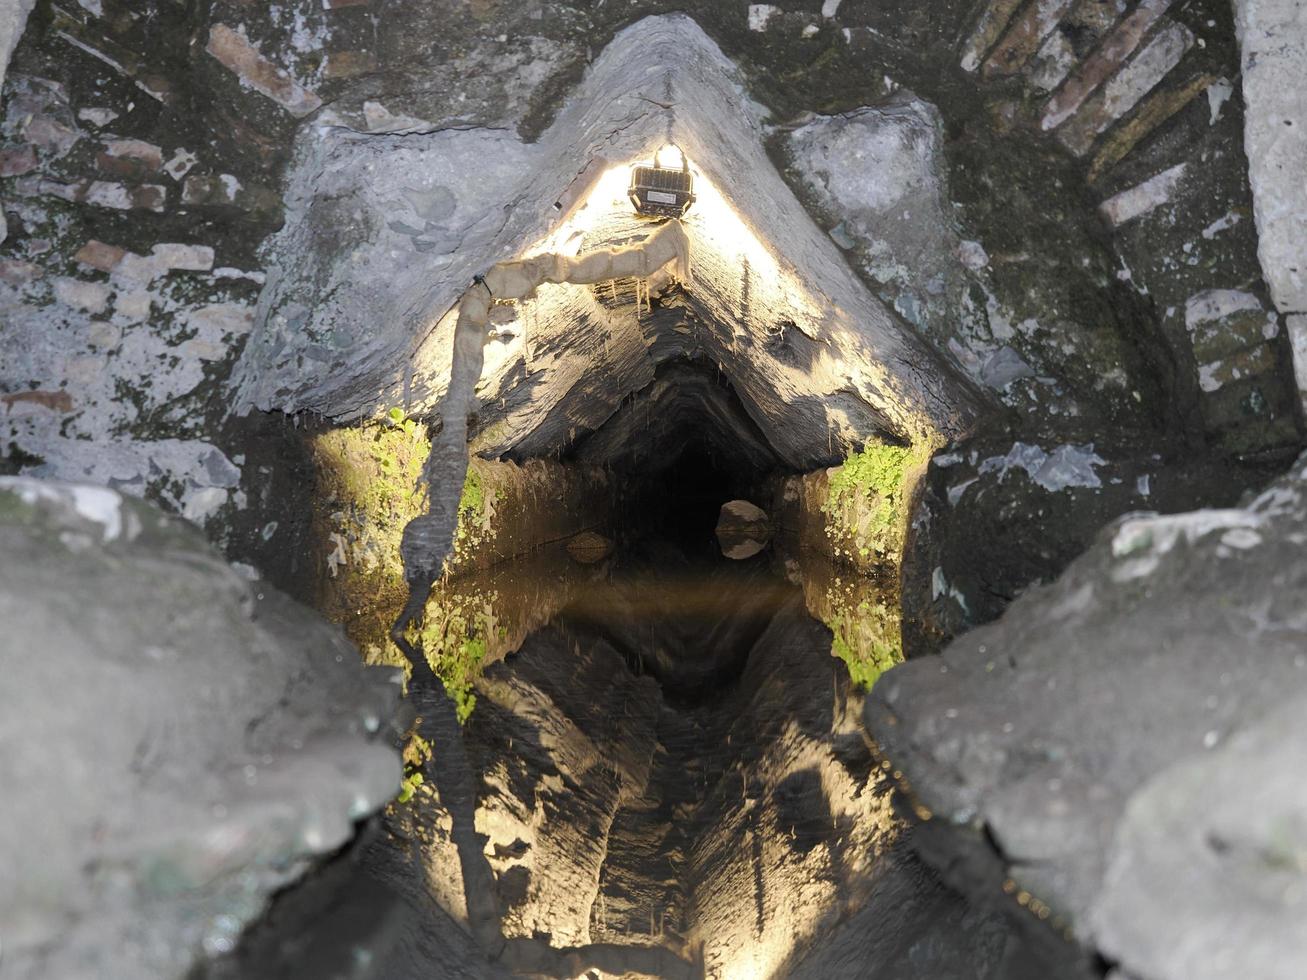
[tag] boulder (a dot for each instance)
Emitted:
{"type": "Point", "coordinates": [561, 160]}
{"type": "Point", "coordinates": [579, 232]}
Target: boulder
{"type": "Point", "coordinates": [176, 741]}
{"type": "Point", "coordinates": [1125, 738]}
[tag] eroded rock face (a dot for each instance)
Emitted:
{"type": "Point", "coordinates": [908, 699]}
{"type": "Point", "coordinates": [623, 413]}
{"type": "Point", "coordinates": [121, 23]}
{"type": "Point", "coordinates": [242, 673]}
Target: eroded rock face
{"type": "Point", "coordinates": [13, 15]}
{"type": "Point", "coordinates": [179, 742]}
{"type": "Point", "coordinates": [880, 170]}
{"type": "Point", "coordinates": [1008, 510]}
{"type": "Point", "coordinates": [617, 817]}
{"type": "Point", "coordinates": [1080, 725]}
{"type": "Point", "coordinates": [385, 233]}
{"type": "Point", "coordinates": [1273, 44]}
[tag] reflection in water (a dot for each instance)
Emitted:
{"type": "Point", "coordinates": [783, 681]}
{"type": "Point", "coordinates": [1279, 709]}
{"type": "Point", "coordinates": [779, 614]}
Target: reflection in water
{"type": "Point", "coordinates": [672, 759]}
{"type": "Point", "coordinates": [478, 617]}
{"type": "Point", "coordinates": [861, 611]}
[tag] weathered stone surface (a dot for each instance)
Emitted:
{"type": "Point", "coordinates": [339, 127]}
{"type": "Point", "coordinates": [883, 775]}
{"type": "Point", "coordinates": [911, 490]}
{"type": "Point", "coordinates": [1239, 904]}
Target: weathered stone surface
{"type": "Point", "coordinates": [314, 347]}
{"type": "Point", "coordinates": [220, 190]}
{"type": "Point", "coordinates": [1205, 873]}
{"type": "Point", "coordinates": [994, 16]}
{"type": "Point", "coordinates": [1103, 63]}
{"type": "Point", "coordinates": [1025, 35]}
{"type": "Point", "coordinates": [1123, 90]}
{"type": "Point", "coordinates": [1136, 201]}
{"type": "Point", "coordinates": [1043, 727]}
{"type": "Point", "coordinates": [101, 193]}
{"type": "Point", "coordinates": [13, 17]}
{"type": "Point", "coordinates": [14, 163]}
{"type": "Point", "coordinates": [231, 738]}
{"type": "Point", "coordinates": [1273, 44]}
{"type": "Point", "coordinates": [130, 159]}
{"type": "Point", "coordinates": [233, 49]}
{"type": "Point", "coordinates": [349, 64]}
{"type": "Point", "coordinates": [91, 344]}
{"type": "Point", "coordinates": [1296, 324]}
{"type": "Point", "coordinates": [97, 255]}
{"type": "Point", "coordinates": [93, 297]}
{"type": "Point", "coordinates": [1157, 108]}
{"type": "Point", "coordinates": [879, 170]}
{"type": "Point", "coordinates": [1223, 321]}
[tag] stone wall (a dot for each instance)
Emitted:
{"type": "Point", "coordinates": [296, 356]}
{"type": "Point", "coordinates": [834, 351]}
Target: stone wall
{"type": "Point", "coordinates": [1273, 43]}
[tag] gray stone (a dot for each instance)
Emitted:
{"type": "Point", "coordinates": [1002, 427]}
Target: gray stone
{"type": "Point", "coordinates": [13, 18]}
{"type": "Point", "coordinates": [1122, 92]}
{"type": "Point", "coordinates": [1137, 201]}
{"type": "Point", "coordinates": [213, 737]}
{"type": "Point", "coordinates": [1273, 44]}
{"type": "Point", "coordinates": [1004, 367]}
{"type": "Point", "coordinates": [1044, 726]}
{"type": "Point", "coordinates": [1296, 324]}
{"type": "Point", "coordinates": [1207, 873]}
{"type": "Point", "coordinates": [383, 308]}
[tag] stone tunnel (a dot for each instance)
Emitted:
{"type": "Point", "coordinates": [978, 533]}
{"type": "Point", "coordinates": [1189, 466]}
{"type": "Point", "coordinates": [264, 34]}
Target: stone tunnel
{"type": "Point", "coordinates": [875, 551]}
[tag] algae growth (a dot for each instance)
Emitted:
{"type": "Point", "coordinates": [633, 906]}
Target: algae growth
{"type": "Point", "coordinates": [866, 498]}
{"type": "Point", "coordinates": [865, 506]}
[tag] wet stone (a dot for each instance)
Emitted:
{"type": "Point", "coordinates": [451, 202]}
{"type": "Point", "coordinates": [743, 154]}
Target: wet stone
{"type": "Point", "coordinates": [743, 529]}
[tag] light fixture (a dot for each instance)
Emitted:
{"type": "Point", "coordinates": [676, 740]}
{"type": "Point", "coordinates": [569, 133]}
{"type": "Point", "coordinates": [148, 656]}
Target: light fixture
{"type": "Point", "coordinates": [665, 189]}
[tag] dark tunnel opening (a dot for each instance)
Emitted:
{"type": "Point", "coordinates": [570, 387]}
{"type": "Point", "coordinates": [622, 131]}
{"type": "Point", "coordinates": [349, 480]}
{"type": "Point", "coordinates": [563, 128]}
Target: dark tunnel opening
{"type": "Point", "coordinates": [678, 450]}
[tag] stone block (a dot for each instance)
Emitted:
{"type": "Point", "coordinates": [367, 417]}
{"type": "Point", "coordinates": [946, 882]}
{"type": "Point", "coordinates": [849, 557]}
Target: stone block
{"type": "Point", "coordinates": [1126, 88]}
{"type": "Point", "coordinates": [1273, 42]}
{"type": "Point", "coordinates": [236, 53]}
{"type": "Point", "coordinates": [1222, 321]}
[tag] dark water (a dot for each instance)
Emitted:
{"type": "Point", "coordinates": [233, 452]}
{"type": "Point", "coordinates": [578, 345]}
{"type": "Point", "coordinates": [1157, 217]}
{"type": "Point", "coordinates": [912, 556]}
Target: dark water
{"type": "Point", "coordinates": [666, 761]}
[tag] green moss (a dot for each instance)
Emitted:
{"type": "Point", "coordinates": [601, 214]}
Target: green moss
{"type": "Point", "coordinates": [867, 638]}
{"type": "Point", "coordinates": [455, 647]}
{"type": "Point", "coordinates": [409, 786]}
{"type": "Point", "coordinates": [866, 499]}
{"type": "Point", "coordinates": [878, 472]}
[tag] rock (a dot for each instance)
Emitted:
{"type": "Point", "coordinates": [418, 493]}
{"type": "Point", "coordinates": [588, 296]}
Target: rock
{"type": "Point", "coordinates": [879, 169]}
{"type": "Point", "coordinates": [93, 297]}
{"type": "Point", "coordinates": [130, 159]}
{"type": "Point", "coordinates": [1273, 45]}
{"type": "Point", "coordinates": [234, 50]}
{"type": "Point", "coordinates": [589, 547]}
{"type": "Point", "coordinates": [346, 248]}
{"type": "Point", "coordinates": [102, 193]}
{"type": "Point", "coordinates": [1122, 91]}
{"type": "Point", "coordinates": [162, 260]}
{"type": "Point", "coordinates": [13, 17]}
{"type": "Point", "coordinates": [98, 255]}
{"type": "Point", "coordinates": [1103, 63]}
{"type": "Point", "coordinates": [1297, 329]}
{"type": "Point", "coordinates": [180, 164]}
{"type": "Point", "coordinates": [1152, 193]}
{"type": "Point", "coordinates": [1024, 35]}
{"type": "Point", "coordinates": [1003, 367]}
{"type": "Point", "coordinates": [1046, 728]}
{"type": "Point", "coordinates": [1030, 505]}
{"type": "Point", "coordinates": [16, 162]}
{"type": "Point", "coordinates": [1204, 876]}
{"type": "Point", "coordinates": [743, 529]}
{"type": "Point", "coordinates": [760, 14]}
{"type": "Point", "coordinates": [349, 64]}
{"type": "Point", "coordinates": [212, 738]}
{"type": "Point", "coordinates": [97, 116]}
{"type": "Point", "coordinates": [220, 190]}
